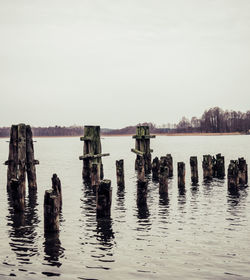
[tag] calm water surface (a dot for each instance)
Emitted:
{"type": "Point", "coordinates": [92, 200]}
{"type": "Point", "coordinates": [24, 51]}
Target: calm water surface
{"type": "Point", "coordinates": [203, 233]}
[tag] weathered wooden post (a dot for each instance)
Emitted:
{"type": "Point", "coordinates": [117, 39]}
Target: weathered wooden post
{"type": "Point", "coordinates": [30, 159]}
{"type": "Point", "coordinates": [218, 166]}
{"type": "Point", "coordinates": [181, 174]}
{"type": "Point", "coordinates": [57, 188]}
{"type": "Point", "coordinates": [155, 168]}
{"type": "Point", "coordinates": [12, 161]}
{"type": "Point", "coordinates": [51, 211]}
{"type": "Point", "coordinates": [169, 161]}
{"type": "Point", "coordinates": [243, 174]}
{"type": "Point", "coordinates": [17, 195]}
{"type": "Point", "coordinates": [120, 172]}
{"type": "Point", "coordinates": [163, 179]}
{"type": "Point", "coordinates": [194, 170]}
{"type": "Point", "coordinates": [141, 169]}
{"type": "Point", "coordinates": [207, 165]}
{"type": "Point", "coordinates": [103, 199]}
{"type": "Point", "coordinates": [233, 176]}
{"type": "Point", "coordinates": [92, 155]}
{"type": "Point", "coordinates": [142, 147]}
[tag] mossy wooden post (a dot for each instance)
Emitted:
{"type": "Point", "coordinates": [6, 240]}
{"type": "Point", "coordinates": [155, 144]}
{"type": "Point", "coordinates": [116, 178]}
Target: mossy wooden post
{"type": "Point", "coordinates": [194, 170]}
{"type": "Point", "coordinates": [207, 165]}
{"type": "Point", "coordinates": [103, 199]}
{"type": "Point", "coordinates": [169, 161]}
{"type": "Point", "coordinates": [163, 179]}
{"type": "Point", "coordinates": [51, 211]}
{"type": "Point", "coordinates": [181, 174]}
{"type": "Point", "coordinates": [92, 155]}
{"type": "Point", "coordinates": [142, 147]}
{"type": "Point", "coordinates": [12, 161]}
{"type": "Point", "coordinates": [30, 159]}
{"type": "Point", "coordinates": [233, 176]}
{"type": "Point", "coordinates": [155, 168]}
{"type": "Point", "coordinates": [243, 174]}
{"type": "Point", "coordinates": [18, 195]}
{"type": "Point", "coordinates": [219, 166]}
{"type": "Point", "coordinates": [57, 188]}
{"type": "Point", "coordinates": [120, 172]}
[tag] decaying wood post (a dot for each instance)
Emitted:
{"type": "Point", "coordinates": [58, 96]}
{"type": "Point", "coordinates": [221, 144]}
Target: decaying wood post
{"type": "Point", "coordinates": [141, 169]}
{"type": "Point", "coordinates": [233, 176]}
{"type": "Point", "coordinates": [243, 174]}
{"type": "Point", "coordinates": [163, 179]}
{"type": "Point", "coordinates": [194, 170]}
{"type": "Point", "coordinates": [92, 155]}
{"type": "Point", "coordinates": [219, 166]}
{"type": "Point", "coordinates": [142, 147]}
{"type": "Point", "coordinates": [207, 165]}
{"type": "Point", "coordinates": [30, 159]}
{"type": "Point", "coordinates": [12, 161]}
{"type": "Point", "coordinates": [17, 195]}
{"type": "Point", "coordinates": [169, 161]}
{"type": "Point", "coordinates": [120, 172]}
{"type": "Point", "coordinates": [57, 188]}
{"type": "Point", "coordinates": [155, 168]}
{"type": "Point", "coordinates": [103, 199]}
{"type": "Point", "coordinates": [181, 174]}
{"type": "Point", "coordinates": [51, 211]}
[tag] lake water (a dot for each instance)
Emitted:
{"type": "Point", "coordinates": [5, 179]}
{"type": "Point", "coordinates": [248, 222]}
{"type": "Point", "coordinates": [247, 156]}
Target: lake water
{"type": "Point", "coordinates": [201, 234]}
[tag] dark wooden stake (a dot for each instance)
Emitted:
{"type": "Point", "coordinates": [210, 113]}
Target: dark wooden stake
{"type": "Point", "coordinates": [163, 179]}
{"type": "Point", "coordinates": [51, 211]}
{"type": "Point", "coordinates": [233, 176]}
{"type": "Point", "coordinates": [219, 166]}
{"type": "Point", "coordinates": [141, 169]}
{"type": "Point", "coordinates": [120, 172]}
{"type": "Point", "coordinates": [194, 170]}
{"type": "Point", "coordinates": [155, 168]}
{"type": "Point", "coordinates": [18, 195]}
{"type": "Point", "coordinates": [57, 188]}
{"type": "Point", "coordinates": [169, 161]}
{"type": "Point", "coordinates": [243, 174]}
{"type": "Point", "coordinates": [181, 174]}
{"type": "Point", "coordinates": [207, 165]}
{"type": "Point", "coordinates": [103, 199]}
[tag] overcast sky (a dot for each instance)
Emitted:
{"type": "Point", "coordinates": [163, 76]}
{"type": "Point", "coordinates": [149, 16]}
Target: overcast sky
{"type": "Point", "coordinates": [116, 63]}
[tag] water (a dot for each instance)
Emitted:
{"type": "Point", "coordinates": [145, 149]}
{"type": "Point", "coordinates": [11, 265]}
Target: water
{"type": "Point", "coordinates": [203, 233]}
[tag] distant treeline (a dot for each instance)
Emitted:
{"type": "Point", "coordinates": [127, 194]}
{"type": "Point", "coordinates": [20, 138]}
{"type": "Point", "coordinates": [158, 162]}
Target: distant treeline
{"type": "Point", "coordinates": [214, 120]}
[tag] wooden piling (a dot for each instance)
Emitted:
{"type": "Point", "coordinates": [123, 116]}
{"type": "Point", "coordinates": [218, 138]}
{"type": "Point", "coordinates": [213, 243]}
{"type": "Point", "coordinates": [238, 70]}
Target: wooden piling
{"type": "Point", "coordinates": [194, 170]}
{"type": "Point", "coordinates": [169, 161]}
{"type": "Point", "coordinates": [120, 173]}
{"type": "Point", "coordinates": [141, 169]}
{"type": "Point", "coordinates": [142, 147]}
{"type": "Point", "coordinates": [181, 174]}
{"type": "Point", "coordinates": [219, 166]}
{"type": "Point", "coordinates": [163, 179]}
{"type": "Point", "coordinates": [57, 188]}
{"type": "Point", "coordinates": [51, 211]}
{"type": "Point", "coordinates": [155, 168]}
{"type": "Point", "coordinates": [207, 165]}
{"type": "Point", "coordinates": [233, 176]}
{"type": "Point", "coordinates": [95, 175]}
{"type": "Point", "coordinates": [103, 199]}
{"type": "Point", "coordinates": [17, 195]}
{"type": "Point", "coordinates": [30, 159]}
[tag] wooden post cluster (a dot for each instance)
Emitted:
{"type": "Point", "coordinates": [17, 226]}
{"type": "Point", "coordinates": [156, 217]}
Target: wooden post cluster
{"type": "Point", "coordinates": [181, 174]}
{"type": "Point", "coordinates": [142, 147]}
{"type": "Point", "coordinates": [219, 166]}
{"type": "Point", "coordinates": [237, 174]}
{"type": "Point", "coordinates": [194, 170]}
{"type": "Point", "coordinates": [52, 206]}
{"type": "Point", "coordinates": [207, 165]}
{"type": "Point", "coordinates": [92, 155]}
{"type": "Point", "coordinates": [120, 173]}
{"type": "Point", "coordinates": [103, 199]}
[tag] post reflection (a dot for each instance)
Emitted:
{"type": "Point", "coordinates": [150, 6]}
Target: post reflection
{"type": "Point", "coordinates": [104, 231]}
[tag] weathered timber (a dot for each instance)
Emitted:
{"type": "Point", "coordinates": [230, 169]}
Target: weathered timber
{"type": "Point", "coordinates": [92, 155]}
{"type": "Point", "coordinates": [142, 147]}
{"type": "Point", "coordinates": [163, 179]}
{"type": "Point", "coordinates": [141, 169]}
{"type": "Point", "coordinates": [243, 174]}
{"type": "Point", "coordinates": [142, 190]}
{"type": "Point", "coordinates": [120, 172]}
{"type": "Point", "coordinates": [233, 176]}
{"type": "Point", "coordinates": [57, 188]}
{"type": "Point", "coordinates": [30, 159]}
{"type": "Point", "coordinates": [51, 211]}
{"type": "Point", "coordinates": [169, 161]}
{"type": "Point", "coordinates": [219, 166]}
{"type": "Point", "coordinates": [21, 168]}
{"type": "Point", "coordinates": [181, 174]}
{"type": "Point", "coordinates": [194, 170]}
{"type": "Point", "coordinates": [155, 168]}
{"type": "Point", "coordinates": [12, 161]}
{"type": "Point", "coordinates": [17, 195]}
{"type": "Point", "coordinates": [207, 165]}
{"type": "Point", "coordinates": [103, 199]}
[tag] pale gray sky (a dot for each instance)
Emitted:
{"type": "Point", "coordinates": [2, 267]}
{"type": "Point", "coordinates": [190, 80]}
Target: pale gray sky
{"type": "Point", "coordinates": [116, 63]}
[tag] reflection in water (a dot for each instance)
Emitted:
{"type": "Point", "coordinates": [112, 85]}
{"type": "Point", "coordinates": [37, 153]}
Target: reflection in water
{"type": "Point", "coordinates": [53, 249]}
{"type": "Point", "coordinates": [23, 225]}
{"type": "Point", "coordinates": [105, 232]}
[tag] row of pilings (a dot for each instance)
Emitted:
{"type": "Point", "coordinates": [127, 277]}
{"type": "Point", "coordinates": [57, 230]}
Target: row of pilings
{"type": "Point", "coordinates": [21, 161]}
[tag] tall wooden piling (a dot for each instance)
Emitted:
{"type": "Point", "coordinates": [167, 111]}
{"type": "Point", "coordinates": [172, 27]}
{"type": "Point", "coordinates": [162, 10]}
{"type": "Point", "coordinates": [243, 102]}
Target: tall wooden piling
{"type": "Point", "coordinates": [169, 161]}
{"type": "Point", "coordinates": [219, 166]}
{"type": "Point", "coordinates": [207, 165]}
{"type": "Point", "coordinates": [57, 188]}
{"type": "Point", "coordinates": [51, 211]}
{"type": "Point", "coordinates": [142, 147]}
{"type": "Point", "coordinates": [181, 174]}
{"type": "Point", "coordinates": [141, 169]}
{"type": "Point", "coordinates": [163, 179]}
{"type": "Point", "coordinates": [243, 174]}
{"type": "Point", "coordinates": [194, 170]}
{"type": "Point", "coordinates": [103, 199]}
{"type": "Point", "coordinates": [120, 173]}
{"type": "Point", "coordinates": [18, 195]}
{"type": "Point", "coordinates": [92, 155]}
{"type": "Point", "coordinates": [155, 168]}
{"type": "Point", "coordinates": [233, 176]}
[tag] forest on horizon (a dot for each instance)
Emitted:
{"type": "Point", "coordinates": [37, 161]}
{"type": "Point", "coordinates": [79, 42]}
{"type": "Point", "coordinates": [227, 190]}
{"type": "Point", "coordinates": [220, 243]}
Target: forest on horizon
{"type": "Point", "coordinates": [214, 120]}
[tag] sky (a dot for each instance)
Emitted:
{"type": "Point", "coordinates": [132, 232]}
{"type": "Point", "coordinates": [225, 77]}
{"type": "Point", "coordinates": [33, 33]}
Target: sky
{"type": "Point", "coordinates": [116, 63]}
